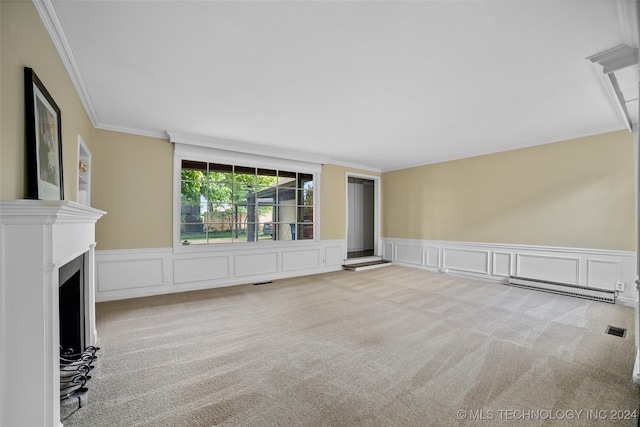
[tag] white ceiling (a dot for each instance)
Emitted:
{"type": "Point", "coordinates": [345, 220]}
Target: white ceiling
{"type": "Point", "coordinates": [381, 84]}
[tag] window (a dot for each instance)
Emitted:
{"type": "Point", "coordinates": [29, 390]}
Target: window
{"type": "Point", "coordinates": [223, 203]}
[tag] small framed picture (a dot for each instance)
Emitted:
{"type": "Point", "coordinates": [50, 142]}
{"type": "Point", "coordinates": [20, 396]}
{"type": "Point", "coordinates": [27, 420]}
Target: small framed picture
{"type": "Point", "coordinates": [44, 141]}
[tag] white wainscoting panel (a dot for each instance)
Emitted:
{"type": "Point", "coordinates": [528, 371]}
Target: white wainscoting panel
{"type": "Point", "coordinates": [502, 264]}
{"type": "Point", "coordinates": [300, 260]}
{"type": "Point", "coordinates": [333, 256]}
{"type": "Point", "coordinates": [144, 272]}
{"type": "Point", "coordinates": [603, 273]}
{"type": "Point", "coordinates": [387, 251]}
{"type": "Point", "coordinates": [433, 257]}
{"type": "Point", "coordinates": [409, 254]}
{"type": "Point", "coordinates": [255, 263]}
{"type": "Point", "coordinates": [471, 261]}
{"type": "Point", "coordinates": [496, 261]}
{"type": "Point", "coordinates": [188, 270]}
{"type": "Point", "coordinates": [545, 267]}
{"type": "Point", "coordinates": [132, 273]}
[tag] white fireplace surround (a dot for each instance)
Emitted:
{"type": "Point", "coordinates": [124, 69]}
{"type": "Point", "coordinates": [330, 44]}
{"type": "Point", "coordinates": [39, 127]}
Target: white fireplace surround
{"type": "Point", "coordinates": [37, 238]}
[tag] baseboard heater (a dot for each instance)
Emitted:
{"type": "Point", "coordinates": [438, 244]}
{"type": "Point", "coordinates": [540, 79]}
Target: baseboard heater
{"type": "Point", "coordinates": [564, 289]}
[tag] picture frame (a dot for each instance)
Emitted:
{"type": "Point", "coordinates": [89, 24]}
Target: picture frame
{"type": "Point", "coordinates": [43, 141]}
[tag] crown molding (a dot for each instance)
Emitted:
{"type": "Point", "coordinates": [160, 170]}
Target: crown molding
{"type": "Point", "coordinates": [133, 131]}
{"type": "Point", "coordinates": [605, 65]}
{"type": "Point", "coordinates": [244, 147]}
{"type": "Point", "coordinates": [355, 166]}
{"type": "Point", "coordinates": [53, 25]}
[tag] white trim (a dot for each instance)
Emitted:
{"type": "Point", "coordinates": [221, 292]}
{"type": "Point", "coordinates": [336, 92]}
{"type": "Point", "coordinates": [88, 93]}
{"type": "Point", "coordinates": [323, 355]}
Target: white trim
{"type": "Point", "coordinates": [132, 131]}
{"type": "Point", "coordinates": [604, 65]}
{"type": "Point", "coordinates": [354, 166]}
{"type": "Point", "coordinates": [38, 237]}
{"type": "Point", "coordinates": [636, 152]}
{"type": "Point", "coordinates": [244, 148]}
{"type": "Point", "coordinates": [591, 266]}
{"type": "Point", "coordinates": [636, 369]}
{"type": "Point", "coordinates": [164, 271]}
{"type": "Point", "coordinates": [448, 253]}
{"type": "Point", "coordinates": [495, 268]}
{"type": "Point", "coordinates": [201, 152]}
{"type": "Point", "coordinates": [215, 155]}
{"type": "Point", "coordinates": [3, 321]}
{"type": "Point", "coordinates": [559, 264]}
{"type": "Point", "coordinates": [54, 27]}
{"type": "Point", "coordinates": [22, 212]}
{"type": "Point", "coordinates": [567, 262]}
{"type": "Point", "coordinates": [376, 206]}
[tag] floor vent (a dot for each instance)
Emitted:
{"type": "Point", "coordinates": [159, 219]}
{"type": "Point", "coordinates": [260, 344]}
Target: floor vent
{"type": "Point", "coordinates": [261, 283]}
{"type": "Point", "coordinates": [564, 289]}
{"type": "Point", "coordinates": [618, 332]}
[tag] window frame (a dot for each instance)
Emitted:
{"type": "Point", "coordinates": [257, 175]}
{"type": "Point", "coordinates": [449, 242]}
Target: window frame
{"type": "Point", "coordinates": [198, 153]}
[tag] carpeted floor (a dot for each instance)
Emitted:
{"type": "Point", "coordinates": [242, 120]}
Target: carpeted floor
{"type": "Point", "coordinates": [385, 347]}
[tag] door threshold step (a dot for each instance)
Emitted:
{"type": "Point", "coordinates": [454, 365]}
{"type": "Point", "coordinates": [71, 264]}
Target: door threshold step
{"type": "Point", "coordinates": [361, 260]}
{"type": "Point", "coordinates": [366, 265]}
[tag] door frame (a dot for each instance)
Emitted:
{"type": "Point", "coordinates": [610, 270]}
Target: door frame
{"type": "Point", "coordinates": [376, 210]}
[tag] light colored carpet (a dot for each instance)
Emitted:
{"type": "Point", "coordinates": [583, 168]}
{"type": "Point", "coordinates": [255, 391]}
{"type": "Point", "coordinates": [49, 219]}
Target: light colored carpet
{"type": "Point", "coordinates": [385, 347]}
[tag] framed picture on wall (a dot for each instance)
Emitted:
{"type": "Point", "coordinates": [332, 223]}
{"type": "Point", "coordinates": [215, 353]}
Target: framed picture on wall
{"type": "Point", "coordinates": [44, 141]}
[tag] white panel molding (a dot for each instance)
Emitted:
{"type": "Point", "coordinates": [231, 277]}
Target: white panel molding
{"type": "Point", "coordinates": [502, 262]}
{"type": "Point", "coordinates": [300, 260]}
{"type": "Point", "coordinates": [199, 269]}
{"type": "Point", "coordinates": [254, 264]}
{"type": "Point", "coordinates": [497, 261]}
{"type": "Point", "coordinates": [333, 256]}
{"type": "Point", "coordinates": [169, 271]}
{"type": "Point", "coordinates": [165, 271]}
{"type": "Point", "coordinates": [472, 261]}
{"type": "Point", "coordinates": [602, 273]}
{"type": "Point", "coordinates": [432, 257]}
{"type": "Point", "coordinates": [139, 269]}
{"type": "Point", "coordinates": [409, 254]}
{"type": "Point", "coordinates": [547, 267]}
{"type": "Point", "coordinates": [387, 251]}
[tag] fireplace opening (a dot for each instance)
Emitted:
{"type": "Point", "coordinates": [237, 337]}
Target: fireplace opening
{"type": "Point", "coordinates": [71, 307]}
{"type": "Point", "coordinates": [76, 358]}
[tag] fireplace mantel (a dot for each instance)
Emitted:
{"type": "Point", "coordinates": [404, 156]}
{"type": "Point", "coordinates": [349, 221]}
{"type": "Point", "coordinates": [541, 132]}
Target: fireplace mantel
{"type": "Point", "coordinates": [36, 238]}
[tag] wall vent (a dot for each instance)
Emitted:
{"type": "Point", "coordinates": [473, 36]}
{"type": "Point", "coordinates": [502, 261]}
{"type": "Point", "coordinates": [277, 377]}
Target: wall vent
{"type": "Point", "coordinates": [564, 289]}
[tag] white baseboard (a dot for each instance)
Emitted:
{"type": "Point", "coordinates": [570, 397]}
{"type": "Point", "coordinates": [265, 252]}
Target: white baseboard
{"type": "Point", "coordinates": [636, 368]}
{"type": "Point", "coordinates": [601, 269]}
{"type": "Point", "coordinates": [134, 273]}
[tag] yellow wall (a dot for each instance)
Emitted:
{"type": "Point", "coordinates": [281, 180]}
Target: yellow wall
{"type": "Point", "coordinates": [333, 213]}
{"type": "Point", "coordinates": [133, 181]}
{"type": "Point", "coordinates": [25, 42]}
{"type": "Point", "coordinates": [576, 193]}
